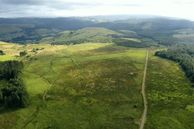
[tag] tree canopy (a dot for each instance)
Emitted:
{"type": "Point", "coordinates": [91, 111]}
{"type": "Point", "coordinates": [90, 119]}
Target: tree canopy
{"type": "Point", "coordinates": [12, 90]}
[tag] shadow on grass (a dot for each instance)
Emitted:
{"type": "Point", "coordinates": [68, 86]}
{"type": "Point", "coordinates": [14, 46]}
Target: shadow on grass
{"type": "Point", "coordinates": [4, 110]}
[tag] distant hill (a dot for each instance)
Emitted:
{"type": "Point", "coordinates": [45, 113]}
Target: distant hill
{"type": "Point", "coordinates": [28, 30]}
{"type": "Point", "coordinates": [163, 30]}
{"type": "Point", "coordinates": [89, 34]}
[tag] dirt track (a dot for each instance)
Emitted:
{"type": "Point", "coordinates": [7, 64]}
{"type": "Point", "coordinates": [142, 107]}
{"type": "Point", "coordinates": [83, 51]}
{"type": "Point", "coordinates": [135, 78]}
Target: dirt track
{"type": "Point", "coordinates": [144, 115]}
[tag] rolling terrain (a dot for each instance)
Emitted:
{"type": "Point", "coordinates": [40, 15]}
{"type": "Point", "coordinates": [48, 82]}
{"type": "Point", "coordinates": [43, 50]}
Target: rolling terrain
{"type": "Point", "coordinates": [98, 85]}
{"type": "Point", "coordinates": [162, 30]}
{"type": "Point", "coordinates": [88, 83]}
{"type": "Point", "coordinates": [99, 73]}
{"type": "Point", "coordinates": [89, 34]}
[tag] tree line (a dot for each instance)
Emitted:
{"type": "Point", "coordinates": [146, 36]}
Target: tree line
{"type": "Point", "coordinates": [12, 90]}
{"type": "Point", "coordinates": [182, 54]}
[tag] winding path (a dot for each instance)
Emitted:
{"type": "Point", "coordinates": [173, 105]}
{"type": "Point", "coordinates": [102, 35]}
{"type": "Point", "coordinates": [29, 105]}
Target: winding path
{"type": "Point", "coordinates": [144, 115]}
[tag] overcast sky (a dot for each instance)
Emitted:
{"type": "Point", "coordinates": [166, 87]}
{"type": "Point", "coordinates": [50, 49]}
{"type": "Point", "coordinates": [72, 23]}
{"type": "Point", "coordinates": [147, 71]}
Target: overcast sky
{"type": "Point", "coordinates": [61, 8]}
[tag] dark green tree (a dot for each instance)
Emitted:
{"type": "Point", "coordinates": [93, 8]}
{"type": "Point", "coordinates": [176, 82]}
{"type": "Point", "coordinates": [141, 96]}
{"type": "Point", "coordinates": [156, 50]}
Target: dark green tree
{"type": "Point", "coordinates": [12, 90]}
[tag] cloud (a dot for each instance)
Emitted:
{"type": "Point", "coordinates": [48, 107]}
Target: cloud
{"type": "Point", "coordinates": [22, 2]}
{"type": "Point", "coordinates": [55, 8]}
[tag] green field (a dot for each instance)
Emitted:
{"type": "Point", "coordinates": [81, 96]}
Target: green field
{"type": "Point", "coordinates": [170, 96]}
{"type": "Point", "coordinates": [82, 86]}
{"type": "Point", "coordinates": [88, 34]}
{"type": "Point", "coordinates": [97, 86]}
{"type": "Point", "coordinates": [6, 57]}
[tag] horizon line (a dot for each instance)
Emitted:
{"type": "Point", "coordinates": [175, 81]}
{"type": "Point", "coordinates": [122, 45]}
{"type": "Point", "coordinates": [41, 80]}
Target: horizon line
{"type": "Point", "coordinates": [95, 16]}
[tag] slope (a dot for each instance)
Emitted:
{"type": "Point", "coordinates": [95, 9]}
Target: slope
{"type": "Point", "coordinates": [89, 34]}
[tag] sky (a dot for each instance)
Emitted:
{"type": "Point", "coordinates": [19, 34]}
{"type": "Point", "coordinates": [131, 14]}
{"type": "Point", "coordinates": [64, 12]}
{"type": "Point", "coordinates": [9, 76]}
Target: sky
{"type": "Point", "coordinates": [65, 8]}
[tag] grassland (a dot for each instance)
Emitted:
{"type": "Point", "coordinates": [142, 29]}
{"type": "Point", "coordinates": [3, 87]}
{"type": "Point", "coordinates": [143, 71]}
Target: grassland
{"type": "Point", "coordinates": [170, 96]}
{"type": "Point", "coordinates": [82, 86]}
{"type": "Point", "coordinates": [10, 50]}
{"type": "Point", "coordinates": [95, 85]}
{"type": "Point", "coordinates": [88, 34]}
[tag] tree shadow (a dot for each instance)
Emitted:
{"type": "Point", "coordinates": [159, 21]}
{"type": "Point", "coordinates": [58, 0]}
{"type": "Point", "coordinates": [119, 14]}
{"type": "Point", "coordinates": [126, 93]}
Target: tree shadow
{"type": "Point", "coordinates": [4, 110]}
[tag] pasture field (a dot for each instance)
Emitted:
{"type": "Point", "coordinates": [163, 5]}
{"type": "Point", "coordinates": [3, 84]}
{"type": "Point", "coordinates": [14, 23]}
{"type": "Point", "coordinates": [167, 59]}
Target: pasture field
{"type": "Point", "coordinates": [85, 86]}
{"type": "Point", "coordinates": [170, 96]}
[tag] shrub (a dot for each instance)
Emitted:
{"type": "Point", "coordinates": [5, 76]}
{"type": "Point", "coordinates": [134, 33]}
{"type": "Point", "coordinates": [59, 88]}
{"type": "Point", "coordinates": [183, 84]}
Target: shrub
{"type": "Point", "coordinates": [23, 53]}
{"type": "Point", "coordinates": [1, 52]}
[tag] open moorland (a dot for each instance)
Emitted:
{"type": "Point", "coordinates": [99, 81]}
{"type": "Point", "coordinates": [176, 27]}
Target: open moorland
{"type": "Point", "coordinates": [78, 86]}
{"type": "Point", "coordinates": [96, 73]}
